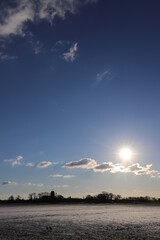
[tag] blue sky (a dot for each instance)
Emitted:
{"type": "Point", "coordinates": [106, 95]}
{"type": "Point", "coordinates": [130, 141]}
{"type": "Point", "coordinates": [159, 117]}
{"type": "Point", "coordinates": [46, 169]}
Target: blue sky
{"type": "Point", "coordinates": [79, 81]}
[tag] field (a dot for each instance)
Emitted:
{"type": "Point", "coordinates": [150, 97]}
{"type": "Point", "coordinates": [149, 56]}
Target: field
{"type": "Point", "coordinates": [79, 222]}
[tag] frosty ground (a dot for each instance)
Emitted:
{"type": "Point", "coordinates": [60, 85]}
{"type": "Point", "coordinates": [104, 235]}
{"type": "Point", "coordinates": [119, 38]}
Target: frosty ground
{"type": "Point", "coordinates": [85, 221]}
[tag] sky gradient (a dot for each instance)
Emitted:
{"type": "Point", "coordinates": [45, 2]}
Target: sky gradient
{"type": "Point", "coordinates": [79, 81]}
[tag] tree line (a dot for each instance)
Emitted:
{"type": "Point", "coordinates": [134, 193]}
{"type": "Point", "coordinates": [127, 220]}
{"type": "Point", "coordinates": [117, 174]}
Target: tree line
{"type": "Point", "coordinates": [103, 197]}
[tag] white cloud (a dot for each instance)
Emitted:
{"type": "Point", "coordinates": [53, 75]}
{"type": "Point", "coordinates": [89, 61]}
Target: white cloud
{"type": "Point", "coordinates": [82, 163]}
{"type": "Point", "coordinates": [88, 163]}
{"type": "Point", "coordinates": [71, 54]}
{"type": "Point", "coordinates": [105, 75]}
{"type": "Point", "coordinates": [9, 183]}
{"type": "Point", "coordinates": [139, 170]}
{"type": "Point", "coordinates": [16, 16]}
{"type": "Point", "coordinates": [55, 163]}
{"type": "Point", "coordinates": [19, 158]}
{"type": "Point", "coordinates": [108, 166]}
{"type": "Point", "coordinates": [152, 176]}
{"type": "Point", "coordinates": [60, 186]}
{"type": "Point", "coordinates": [62, 176]}
{"type": "Point", "coordinates": [44, 164]}
{"type": "Point", "coordinates": [15, 161]}
{"type": "Point", "coordinates": [30, 164]}
{"type": "Point", "coordinates": [68, 176]}
{"type": "Point", "coordinates": [29, 184]}
{"type": "Point", "coordinates": [56, 175]}
{"type": "Point", "coordinates": [134, 168]}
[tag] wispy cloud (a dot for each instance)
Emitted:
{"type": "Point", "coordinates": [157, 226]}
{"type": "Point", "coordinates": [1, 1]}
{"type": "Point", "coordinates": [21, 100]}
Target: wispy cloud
{"type": "Point", "coordinates": [18, 14]}
{"type": "Point", "coordinates": [108, 166]}
{"type": "Point", "coordinates": [14, 161]}
{"type": "Point", "coordinates": [105, 75]}
{"type": "Point", "coordinates": [30, 164]}
{"type": "Point", "coordinates": [6, 57]}
{"type": "Point", "coordinates": [60, 186]}
{"type": "Point", "coordinates": [9, 183]}
{"type": "Point", "coordinates": [37, 47]}
{"type": "Point", "coordinates": [56, 175]}
{"type": "Point", "coordinates": [152, 176]}
{"type": "Point", "coordinates": [71, 54]}
{"type": "Point", "coordinates": [15, 18]}
{"type": "Point", "coordinates": [44, 164]}
{"type": "Point", "coordinates": [60, 44]}
{"type": "Point", "coordinates": [29, 184]}
{"type": "Point", "coordinates": [62, 176]}
{"type": "Point", "coordinates": [68, 176]}
{"type": "Point", "coordinates": [82, 163]}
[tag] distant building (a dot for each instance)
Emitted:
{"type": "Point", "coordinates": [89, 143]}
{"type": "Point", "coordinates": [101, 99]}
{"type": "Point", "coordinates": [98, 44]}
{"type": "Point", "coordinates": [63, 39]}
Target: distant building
{"type": "Point", "coordinates": [47, 196]}
{"type": "Point", "coordinates": [52, 194]}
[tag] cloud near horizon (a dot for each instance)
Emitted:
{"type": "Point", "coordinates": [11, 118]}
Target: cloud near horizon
{"type": "Point", "coordinates": [15, 16]}
{"type": "Point", "coordinates": [88, 163]}
{"type": "Point", "coordinates": [139, 170]}
{"type": "Point", "coordinates": [29, 164]}
{"type": "Point", "coordinates": [29, 184]}
{"type": "Point", "coordinates": [62, 176]}
{"type": "Point", "coordinates": [108, 166]}
{"type": "Point", "coordinates": [134, 168]}
{"type": "Point", "coordinates": [14, 161]}
{"type": "Point", "coordinates": [44, 164]}
{"type": "Point", "coordinates": [9, 183]}
{"type": "Point", "coordinates": [60, 186]}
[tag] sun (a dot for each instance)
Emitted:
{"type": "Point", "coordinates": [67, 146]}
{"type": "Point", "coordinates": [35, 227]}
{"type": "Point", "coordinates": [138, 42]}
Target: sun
{"type": "Point", "coordinates": [125, 154]}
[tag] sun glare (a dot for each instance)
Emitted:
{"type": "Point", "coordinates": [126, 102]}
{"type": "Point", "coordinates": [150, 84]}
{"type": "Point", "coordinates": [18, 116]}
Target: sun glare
{"type": "Point", "coordinates": [125, 154]}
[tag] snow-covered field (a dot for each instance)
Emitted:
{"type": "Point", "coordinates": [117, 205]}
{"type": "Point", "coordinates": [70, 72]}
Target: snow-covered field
{"type": "Point", "coordinates": [79, 222]}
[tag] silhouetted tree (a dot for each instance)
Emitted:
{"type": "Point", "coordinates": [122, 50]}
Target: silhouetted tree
{"type": "Point", "coordinates": [60, 197]}
{"type": "Point", "coordinates": [89, 197]}
{"type": "Point", "coordinates": [42, 194]}
{"type": "Point", "coordinates": [32, 196]}
{"type": "Point", "coordinates": [103, 197]}
{"type": "Point", "coordinates": [118, 197]}
{"type": "Point", "coordinates": [11, 198]}
{"type": "Point", "coordinates": [18, 198]}
{"type": "Point", "coordinates": [110, 196]}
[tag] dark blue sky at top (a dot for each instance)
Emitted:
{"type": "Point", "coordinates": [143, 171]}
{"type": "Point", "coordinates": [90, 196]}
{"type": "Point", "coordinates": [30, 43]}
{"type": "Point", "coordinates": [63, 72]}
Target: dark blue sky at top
{"type": "Point", "coordinates": [59, 108]}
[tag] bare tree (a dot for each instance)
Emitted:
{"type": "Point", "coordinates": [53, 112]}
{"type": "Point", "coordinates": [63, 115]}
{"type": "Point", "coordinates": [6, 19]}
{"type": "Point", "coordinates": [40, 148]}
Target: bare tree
{"type": "Point", "coordinates": [11, 198]}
